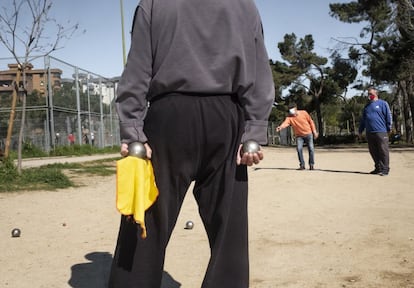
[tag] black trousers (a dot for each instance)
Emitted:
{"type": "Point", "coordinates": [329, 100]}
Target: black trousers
{"type": "Point", "coordinates": [193, 138]}
{"type": "Point", "coordinates": [379, 149]}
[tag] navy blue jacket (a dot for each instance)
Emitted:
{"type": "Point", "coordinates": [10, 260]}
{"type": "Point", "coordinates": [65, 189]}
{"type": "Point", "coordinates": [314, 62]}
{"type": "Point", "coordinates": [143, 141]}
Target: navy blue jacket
{"type": "Point", "coordinates": [376, 117]}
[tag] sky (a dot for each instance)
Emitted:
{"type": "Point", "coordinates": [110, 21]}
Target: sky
{"type": "Point", "coordinates": [97, 44]}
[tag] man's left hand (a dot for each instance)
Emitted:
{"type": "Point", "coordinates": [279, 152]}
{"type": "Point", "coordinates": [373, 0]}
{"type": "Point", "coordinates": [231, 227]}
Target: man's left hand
{"type": "Point", "coordinates": [249, 158]}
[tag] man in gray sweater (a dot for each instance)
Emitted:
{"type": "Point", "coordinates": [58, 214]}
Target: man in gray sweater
{"type": "Point", "coordinates": [197, 84]}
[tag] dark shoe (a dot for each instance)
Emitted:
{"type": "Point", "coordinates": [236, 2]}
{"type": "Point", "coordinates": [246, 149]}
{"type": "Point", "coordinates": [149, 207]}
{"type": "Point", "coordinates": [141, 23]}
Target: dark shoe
{"type": "Point", "coordinates": [301, 168]}
{"type": "Point", "coordinates": [383, 173]}
{"type": "Point", "coordinates": [374, 172]}
{"type": "Point", "coordinates": [311, 167]}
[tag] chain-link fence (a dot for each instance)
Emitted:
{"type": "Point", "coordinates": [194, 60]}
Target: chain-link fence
{"type": "Point", "coordinates": [284, 137]}
{"type": "Point", "coordinates": [65, 105]}
{"type": "Point", "coordinates": [69, 105]}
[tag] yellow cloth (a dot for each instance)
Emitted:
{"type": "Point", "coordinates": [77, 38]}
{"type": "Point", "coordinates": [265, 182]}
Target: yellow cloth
{"type": "Point", "coordinates": [136, 190]}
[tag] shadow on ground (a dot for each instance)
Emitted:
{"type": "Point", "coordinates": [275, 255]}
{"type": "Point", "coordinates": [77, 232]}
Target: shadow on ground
{"type": "Point", "coordinates": [95, 273]}
{"type": "Point", "coordinates": [322, 170]}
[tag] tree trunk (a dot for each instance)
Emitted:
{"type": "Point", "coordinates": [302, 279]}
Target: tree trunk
{"type": "Point", "coordinates": [410, 96]}
{"type": "Point", "coordinates": [354, 127]}
{"type": "Point", "coordinates": [406, 27]}
{"type": "Point", "coordinates": [396, 112]}
{"type": "Point", "coordinates": [319, 116]}
{"type": "Point", "coordinates": [406, 112]}
{"type": "Point", "coordinates": [398, 118]}
{"type": "Point", "coordinates": [22, 124]}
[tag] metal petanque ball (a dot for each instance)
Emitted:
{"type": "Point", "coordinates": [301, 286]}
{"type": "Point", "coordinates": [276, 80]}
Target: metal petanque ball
{"type": "Point", "coordinates": [16, 232]}
{"type": "Point", "coordinates": [189, 225]}
{"type": "Point", "coordinates": [250, 146]}
{"type": "Point", "coordinates": [137, 149]}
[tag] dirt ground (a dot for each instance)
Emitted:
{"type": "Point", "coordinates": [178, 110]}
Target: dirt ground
{"type": "Point", "coordinates": [336, 226]}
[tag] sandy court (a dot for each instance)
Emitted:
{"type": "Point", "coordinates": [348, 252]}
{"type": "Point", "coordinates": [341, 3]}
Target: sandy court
{"type": "Point", "coordinates": [336, 226]}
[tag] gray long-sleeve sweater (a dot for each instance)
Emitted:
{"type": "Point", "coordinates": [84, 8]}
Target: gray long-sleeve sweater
{"type": "Point", "coordinates": [207, 47]}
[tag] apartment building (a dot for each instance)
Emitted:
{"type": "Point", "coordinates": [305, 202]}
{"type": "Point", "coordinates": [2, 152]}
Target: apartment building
{"type": "Point", "coordinates": [35, 79]}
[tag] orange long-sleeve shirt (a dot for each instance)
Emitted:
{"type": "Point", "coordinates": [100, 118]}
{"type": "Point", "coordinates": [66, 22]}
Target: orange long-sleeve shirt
{"type": "Point", "coordinates": [302, 123]}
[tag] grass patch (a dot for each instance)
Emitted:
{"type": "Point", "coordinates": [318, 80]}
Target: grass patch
{"type": "Point", "coordinates": [51, 176]}
{"type": "Point", "coordinates": [104, 167]}
{"type": "Point", "coordinates": [79, 150]}
{"type": "Point", "coordinates": [30, 151]}
{"type": "Point", "coordinates": [43, 178]}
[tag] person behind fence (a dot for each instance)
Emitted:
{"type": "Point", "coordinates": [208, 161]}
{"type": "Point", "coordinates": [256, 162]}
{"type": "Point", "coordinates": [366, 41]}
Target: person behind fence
{"type": "Point", "coordinates": [305, 131]}
{"type": "Point", "coordinates": [85, 138]}
{"type": "Point", "coordinates": [376, 120]}
{"type": "Point", "coordinates": [71, 139]}
{"type": "Point", "coordinates": [57, 138]}
{"type": "Point", "coordinates": [203, 67]}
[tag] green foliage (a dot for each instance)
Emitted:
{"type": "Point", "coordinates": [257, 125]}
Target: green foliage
{"type": "Point", "coordinates": [299, 53]}
{"type": "Point", "coordinates": [78, 150]}
{"type": "Point", "coordinates": [101, 170]}
{"type": "Point", "coordinates": [35, 99]}
{"type": "Point", "coordinates": [30, 150]}
{"type": "Point", "coordinates": [31, 179]}
{"type": "Point", "coordinates": [74, 150]}
{"type": "Point", "coordinates": [99, 167]}
{"type": "Point", "coordinates": [347, 12]}
{"type": "Point", "coordinates": [385, 50]}
{"type": "Point", "coordinates": [330, 113]}
{"type": "Point", "coordinates": [45, 178]}
{"type": "Point", "coordinates": [51, 176]}
{"type": "Point", "coordinates": [306, 70]}
{"type": "Point", "coordinates": [278, 114]}
{"type": "Point", "coordinates": [65, 97]}
{"type": "Point", "coordinates": [8, 171]}
{"type": "Point", "coordinates": [343, 72]}
{"type": "Point", "coordinates": [328, 93]}
{"type": "Point", "coordinates": [350, 115]}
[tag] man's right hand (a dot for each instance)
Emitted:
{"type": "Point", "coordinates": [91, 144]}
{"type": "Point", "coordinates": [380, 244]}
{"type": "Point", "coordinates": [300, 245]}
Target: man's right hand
{"type": "Point", "coordinates": [249, 158]}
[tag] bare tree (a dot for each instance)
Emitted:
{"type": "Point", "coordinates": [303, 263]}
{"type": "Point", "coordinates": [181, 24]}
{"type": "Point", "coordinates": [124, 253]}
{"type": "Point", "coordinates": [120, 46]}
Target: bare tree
{"type": "Point", "coordinates": [27, 31]}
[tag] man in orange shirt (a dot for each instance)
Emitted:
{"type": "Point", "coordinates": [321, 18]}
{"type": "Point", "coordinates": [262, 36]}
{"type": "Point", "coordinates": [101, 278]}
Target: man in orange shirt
{"type": "Point", "coordinates": [305, 131]}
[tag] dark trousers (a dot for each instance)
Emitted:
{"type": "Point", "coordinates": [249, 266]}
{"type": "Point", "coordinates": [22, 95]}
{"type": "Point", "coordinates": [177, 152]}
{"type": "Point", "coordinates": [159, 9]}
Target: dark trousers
{"type": "Point", "coordinates": [193, 139]}
{"type": "Point", "coordinates": [378, 148]}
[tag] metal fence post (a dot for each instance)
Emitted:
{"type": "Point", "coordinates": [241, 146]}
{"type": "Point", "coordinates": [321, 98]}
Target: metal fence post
{"type": "Point", "coordinates": [78, 108]}
{"type": "Point", "coordinates": [110, 114]}
{"type": "Point", "coordinates": [102, 142]}
{"type": "Point", "coordinates": [89, 103]}
{"type": "Point", "coordinates": [50, 110]}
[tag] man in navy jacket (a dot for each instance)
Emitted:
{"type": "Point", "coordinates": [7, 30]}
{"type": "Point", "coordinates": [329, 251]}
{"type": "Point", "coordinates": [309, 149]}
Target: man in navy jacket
{"type": "Point", "coordinates": [377, 121]}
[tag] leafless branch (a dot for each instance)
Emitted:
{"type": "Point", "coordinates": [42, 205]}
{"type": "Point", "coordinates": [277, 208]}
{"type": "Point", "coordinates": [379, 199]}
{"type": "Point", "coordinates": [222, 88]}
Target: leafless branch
{"type": "Point", "coordinates": [25, 27]}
